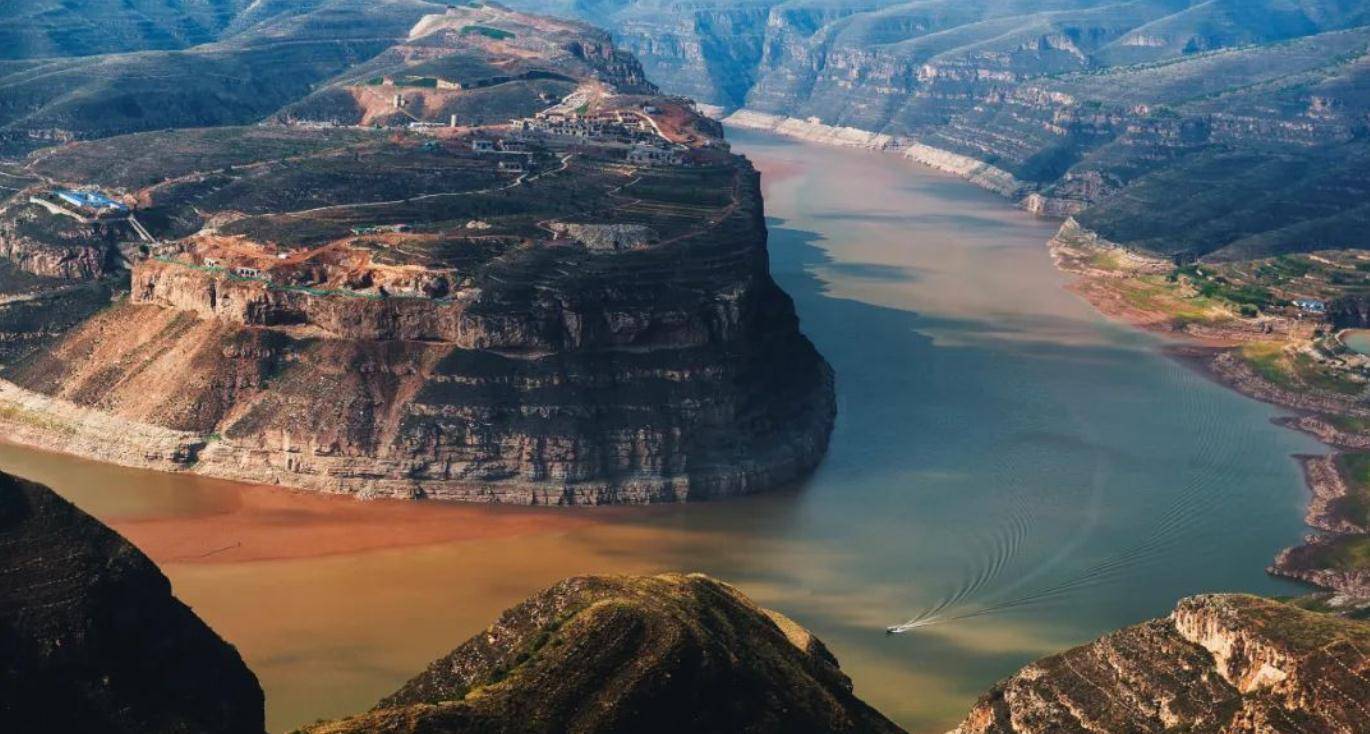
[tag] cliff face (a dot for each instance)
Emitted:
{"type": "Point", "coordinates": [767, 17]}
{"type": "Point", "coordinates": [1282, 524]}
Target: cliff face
{"type": "Point", "coordinates": [60, 247]}
{"type": "Point", "coordinates": [618, 378]}
{"type": "Point", "coordinates": [1219, 663]}
{"type": "Point", "coordinates": [670, 653]}
{"type": "Point", "coordinates": [91, 638]}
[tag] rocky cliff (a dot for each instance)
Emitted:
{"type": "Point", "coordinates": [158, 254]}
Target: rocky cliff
{"type": "Point", "coordinates": [1221, 663]}
{"type": "Point", "coordinates": [669, 653]}
{"type": "Point", "coordinates": [606, 381]}
{"type": "Point", "coordinates": [91, 638]}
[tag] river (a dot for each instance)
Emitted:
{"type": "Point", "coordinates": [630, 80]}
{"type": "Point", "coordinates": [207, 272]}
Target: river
{"type": "Point", "coordinates": [1009, 469]}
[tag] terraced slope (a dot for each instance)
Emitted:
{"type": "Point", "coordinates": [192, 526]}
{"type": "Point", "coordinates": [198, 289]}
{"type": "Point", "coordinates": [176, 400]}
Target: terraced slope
{"type": "Point", "coordinates": [49, 28]}
{"type": "Point", "coordinates": [277, 58]}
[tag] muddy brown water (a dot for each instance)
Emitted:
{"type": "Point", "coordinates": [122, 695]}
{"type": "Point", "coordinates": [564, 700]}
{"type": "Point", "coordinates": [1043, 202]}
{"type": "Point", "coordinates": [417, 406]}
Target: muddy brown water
{"type": "Point", "coordinates": [1009, 469]}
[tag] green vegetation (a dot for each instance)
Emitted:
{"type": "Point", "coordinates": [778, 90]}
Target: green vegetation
{"type": "Point", "coordinates": [1219, 287]}
{"type": "Point", "coordinates": [1343, 553]}
{"type": "Point", "coordinates": [1296, 371]}
{"type": "Point", "coordinates": [147, 158]}
{"type": "Point", "coordinates": [1355, 506]}
{"type": "Point", "coordinates": [1152, 294]}
{"type": "Point", "coordinates": [18, 414]}
{"type": "Point", "coordinates": [1265, 359]}
{"type": "Point", "coordinates": [485, 30]}
{"type": "Point", "coordinates": [1319, 377]}
{"type": "Point", "coordinates": [670, 644]}
{"type": "Point", "coordinates": [1349, 423]}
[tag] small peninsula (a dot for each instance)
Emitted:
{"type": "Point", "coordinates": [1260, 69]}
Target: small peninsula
{"type": "Point", "coordinates": [491, 263]}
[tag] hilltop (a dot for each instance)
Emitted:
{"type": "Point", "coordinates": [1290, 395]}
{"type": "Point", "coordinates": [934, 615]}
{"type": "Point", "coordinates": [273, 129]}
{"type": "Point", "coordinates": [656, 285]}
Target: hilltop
{"type": "Point", "coordinates": [668, 653]}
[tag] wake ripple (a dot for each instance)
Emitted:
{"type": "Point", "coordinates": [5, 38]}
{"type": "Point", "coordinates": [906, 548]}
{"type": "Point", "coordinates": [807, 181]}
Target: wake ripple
{"type": "Point", "coordinates": [1197, 500]}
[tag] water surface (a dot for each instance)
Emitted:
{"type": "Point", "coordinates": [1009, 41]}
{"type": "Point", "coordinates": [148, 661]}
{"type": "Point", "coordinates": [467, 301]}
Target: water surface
{"type": "Point", "coordinates": [1357, 339]}
{"type": "Point", "coordinates": [1010, 469]}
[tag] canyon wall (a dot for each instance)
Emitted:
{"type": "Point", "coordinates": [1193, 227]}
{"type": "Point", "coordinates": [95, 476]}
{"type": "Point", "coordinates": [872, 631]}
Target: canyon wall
{"type": "Point", "coordinates": [1106, 111]}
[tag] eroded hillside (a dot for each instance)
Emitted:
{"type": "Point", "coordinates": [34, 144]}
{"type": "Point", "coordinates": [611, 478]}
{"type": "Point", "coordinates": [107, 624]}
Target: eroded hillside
{"type": "Point", "coordinates": [93, 639]}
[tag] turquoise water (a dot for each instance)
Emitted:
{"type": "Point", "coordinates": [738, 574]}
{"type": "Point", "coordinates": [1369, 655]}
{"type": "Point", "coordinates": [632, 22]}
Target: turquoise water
{"type": "Point", "coordinates": [1008, 468]}
{"type": "Point", "coordinates": [1358, 340]}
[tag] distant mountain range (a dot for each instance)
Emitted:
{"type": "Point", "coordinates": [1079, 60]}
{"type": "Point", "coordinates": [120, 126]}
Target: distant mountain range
{"type": "Point", "coordinates": [196, 66]}
{"type": "Point", "coordinates": [52, 28]}
{"type": "Point", "coordinates": [1244, 121]}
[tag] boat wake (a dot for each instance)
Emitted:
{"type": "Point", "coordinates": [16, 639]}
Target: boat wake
{"type": "Point", "coordinates": [1199, 498]}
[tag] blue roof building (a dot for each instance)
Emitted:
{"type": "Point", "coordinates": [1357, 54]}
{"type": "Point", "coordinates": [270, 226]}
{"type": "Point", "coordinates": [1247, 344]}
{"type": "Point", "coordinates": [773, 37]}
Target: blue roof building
{"type": "Point", "coordinates": [91, 200]}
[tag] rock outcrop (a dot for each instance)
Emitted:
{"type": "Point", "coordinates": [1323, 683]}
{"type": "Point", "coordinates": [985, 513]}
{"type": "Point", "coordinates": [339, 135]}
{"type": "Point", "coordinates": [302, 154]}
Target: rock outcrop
{"type": "Point", "coordinates": [1219, 663]}
{"type": "Point", "coordinates": [60, 247]}
{"type": "Point", "coordinates": [92, 640]}
{"type": "Point", "coordinates": [669, 653]}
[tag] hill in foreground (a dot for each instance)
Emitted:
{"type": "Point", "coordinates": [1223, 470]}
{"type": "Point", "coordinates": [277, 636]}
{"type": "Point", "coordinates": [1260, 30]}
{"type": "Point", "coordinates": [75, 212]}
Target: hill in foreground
{"type": "Point", "coordinates": [92, 640]}
{"type": "Point", "coordinates": [1219, 663]}
{"type": "Point", "coordinates": [668, 653]}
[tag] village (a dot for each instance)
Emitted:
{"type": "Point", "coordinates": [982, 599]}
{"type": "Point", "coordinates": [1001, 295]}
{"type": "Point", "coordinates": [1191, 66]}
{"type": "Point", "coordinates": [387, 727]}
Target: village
{"type": "Point", "coordinates": [498, 134]}
{"type": "Point", "coordinates": [373, 256]}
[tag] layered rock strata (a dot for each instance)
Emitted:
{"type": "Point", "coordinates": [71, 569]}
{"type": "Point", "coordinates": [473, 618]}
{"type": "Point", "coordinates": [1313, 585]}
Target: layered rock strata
{"type": "Point", "coordinates": [567, 378]}
{"type": "Point", "coordinates": [570, 305]}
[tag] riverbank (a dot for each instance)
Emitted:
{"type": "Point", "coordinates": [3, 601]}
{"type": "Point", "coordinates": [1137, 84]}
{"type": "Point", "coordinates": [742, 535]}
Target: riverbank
{"type": "Point", "coordinates": [48, 423]}
{"type": "Point", "coordinates": [978, 172]}
{"type": "Point", "coordinates": [1272, 359]}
